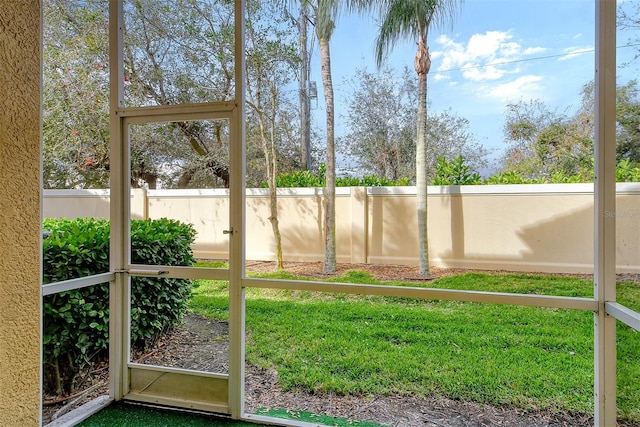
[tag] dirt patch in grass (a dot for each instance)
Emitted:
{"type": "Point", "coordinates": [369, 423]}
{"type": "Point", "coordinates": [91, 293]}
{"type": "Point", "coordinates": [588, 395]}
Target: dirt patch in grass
{"type": "Point", "coordinates": [198, 343]}
{"type": "Point", "coordinates": [381, 272]}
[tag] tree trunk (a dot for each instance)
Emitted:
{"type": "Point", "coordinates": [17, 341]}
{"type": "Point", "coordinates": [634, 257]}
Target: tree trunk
{"type": "Point", "coordinates": [276, 227]}
{"type": "Point", "coordinates": [269, 150]}
{"type": "Point", "coordinates": [273, 188]}
{"type": "Point", "coordinates": [330, 186]}
{"type": "Point", "coordinates": [422, 64]}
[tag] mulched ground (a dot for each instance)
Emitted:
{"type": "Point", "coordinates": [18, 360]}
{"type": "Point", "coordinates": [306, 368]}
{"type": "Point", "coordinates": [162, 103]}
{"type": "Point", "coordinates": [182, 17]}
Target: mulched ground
{"type": "Point", "coordinates": [202, 344]}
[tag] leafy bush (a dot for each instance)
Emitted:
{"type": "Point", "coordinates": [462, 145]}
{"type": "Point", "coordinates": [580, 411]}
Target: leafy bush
{"type": "Point", "coordinates": [626, 171]}
{"type": "Point", "coordinates": [298, 179]}
{"type": "Point", "coordinates": [455, 172]}
{"type": "Point", "coordinates": [562, 178]}
{"type": "Point", "coordinates": [511, 177]}
{"type": "Point", "coordinates": [158, 303]}
{"type": "Point", "coordinates": [76, 322]}
{"type": "Point", "coordinates": [309, 179]}
{"type": "Point", "coordinates": [371, 181]}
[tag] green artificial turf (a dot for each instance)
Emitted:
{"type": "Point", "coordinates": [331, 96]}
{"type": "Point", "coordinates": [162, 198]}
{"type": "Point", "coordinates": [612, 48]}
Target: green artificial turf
{"type": "Point", "coordinates": [126, 415]}
{"type": "Point", "coordinates": [310, 417]}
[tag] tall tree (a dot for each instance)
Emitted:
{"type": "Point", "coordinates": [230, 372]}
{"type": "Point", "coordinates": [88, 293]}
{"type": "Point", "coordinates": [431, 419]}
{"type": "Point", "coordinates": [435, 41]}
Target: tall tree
{"type": "Point", "coordinates": [176, 52]}
{"type": "Point", "coordinates": [627, 117]}
{"type": "Point", "coordinates": [629, 19]}
{"type": "Point", "coordinates": [183, 56]}
{"type": "Point", "coordinates": [381, 119]}
{"type": "Point", "coordinates": [75, 95]}
{"type": "Point", "coordinates": [271, 65]}
{"type": "Point", "coordinates": [305, 100]}
{"type": "Point", "coordinates": [548, 145]}
{"type": "Point", "coordinates": [402, 19]}
{"type": "Point", "coordinates": [325, 14]}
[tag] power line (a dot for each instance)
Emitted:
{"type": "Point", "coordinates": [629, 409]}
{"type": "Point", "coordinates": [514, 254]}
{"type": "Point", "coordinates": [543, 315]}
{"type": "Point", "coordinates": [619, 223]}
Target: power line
{"type": "Point", "coordinates": [560, 55]}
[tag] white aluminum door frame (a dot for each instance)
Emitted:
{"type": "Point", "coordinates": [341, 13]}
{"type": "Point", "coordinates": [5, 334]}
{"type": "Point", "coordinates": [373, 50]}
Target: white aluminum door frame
{"type": "Point", "coordinates": [120, 263]}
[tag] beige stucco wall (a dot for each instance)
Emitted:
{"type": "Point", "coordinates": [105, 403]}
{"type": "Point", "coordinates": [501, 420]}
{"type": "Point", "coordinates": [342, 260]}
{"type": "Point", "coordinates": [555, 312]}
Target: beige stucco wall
{"type": "Point", "coordinates": [546, 228]}
{"type": "Point", "coordinates": [72, 204]}
{"type": "Point", "coordinates": [525, 228]}
{"type": "Point", "coordinates": [207, 210]}
{"type": "Point", "coordinates": [20, 257]}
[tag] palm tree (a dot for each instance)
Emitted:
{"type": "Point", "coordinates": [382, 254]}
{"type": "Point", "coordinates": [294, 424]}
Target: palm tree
{"type": "Point", "coordinates": [325, 13]}
{"type": "Point", "coordinates": [402, 19]}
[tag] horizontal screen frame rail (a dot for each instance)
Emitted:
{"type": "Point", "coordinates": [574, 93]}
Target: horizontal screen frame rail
{"type": "Point", "coordinates": [78, 283]}
{"type": "Point", "coordinates": [623, 314]}
{"type": "Point", "coordinates": [176, 272]}
{"type": "Point", "coordinates": [178, 110]}
{"type": "Point", "coordinates": [572, 303]}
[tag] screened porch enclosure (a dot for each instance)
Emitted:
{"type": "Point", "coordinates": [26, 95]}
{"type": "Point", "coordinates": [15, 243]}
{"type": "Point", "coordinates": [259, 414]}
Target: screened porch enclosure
{"type": "Point", "coordinates": [224, 391]}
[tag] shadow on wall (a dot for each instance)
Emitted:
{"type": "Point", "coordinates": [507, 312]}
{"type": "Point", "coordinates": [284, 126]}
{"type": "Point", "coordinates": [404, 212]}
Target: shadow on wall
{"type": "Point", "coordinates": [540, 229]}
{"type": "Point", "coordinates": [392, 230]}
{"type": "Point", "coordinates": [294, 213]}
{"type": "Point", "coordinates": [556, 243]}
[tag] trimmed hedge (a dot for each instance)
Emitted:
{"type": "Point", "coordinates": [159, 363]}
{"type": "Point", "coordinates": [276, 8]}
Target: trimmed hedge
{"type": "Point", "coordinates": [76, 323]}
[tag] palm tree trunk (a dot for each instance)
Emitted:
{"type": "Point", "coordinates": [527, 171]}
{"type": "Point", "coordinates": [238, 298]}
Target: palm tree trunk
{"type": "Point", "coordinates": [422, 65]}
{"type": "Point", "coordinates": [330, 186]}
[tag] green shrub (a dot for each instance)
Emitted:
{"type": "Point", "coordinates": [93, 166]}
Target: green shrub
{"type": "Point", "coordinates": [76, 322]}
{"type": "Point", "coordinates": [455, 172]}
{"type": "Point", "coordinates": [626, 171]}
{"type": "Point", "coordinates": [511, 177]}
{"type": "Point", "coordinates": [302, 178]}
{"type": "Point", "coordinates": [158, 303]}
{"type": "Point", "coordinates": [305, 178]}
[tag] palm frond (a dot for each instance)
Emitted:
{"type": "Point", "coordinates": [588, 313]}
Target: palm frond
{"type": "Point", "coordinates": [406, 19]}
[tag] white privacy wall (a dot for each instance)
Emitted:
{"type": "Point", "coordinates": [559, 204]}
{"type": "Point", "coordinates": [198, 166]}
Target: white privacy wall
{"type": "Point", "coordinates": [541, 227]}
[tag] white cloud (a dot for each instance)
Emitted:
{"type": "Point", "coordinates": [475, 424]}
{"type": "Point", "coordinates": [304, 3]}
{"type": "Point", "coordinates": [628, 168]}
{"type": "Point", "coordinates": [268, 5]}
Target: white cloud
{"type": "Point", "coordinates": [439, 76]}
{"type": "Point", "coordinates": [485, 56]}
{"type": "Point", "coordinates": [524, 87]}
{"type": "Point", "coordinates": [534, 50]}
{"type": "Point", "coordinates": [574, 51]}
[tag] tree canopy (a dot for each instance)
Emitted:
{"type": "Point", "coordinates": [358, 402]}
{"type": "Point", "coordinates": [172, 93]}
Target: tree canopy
{"type": "Point", "coordinates": [381, 120]}
{"type": "Point", "coordinates": [548, 145]}
{"type": "Point", "coordinates": [175, 53]}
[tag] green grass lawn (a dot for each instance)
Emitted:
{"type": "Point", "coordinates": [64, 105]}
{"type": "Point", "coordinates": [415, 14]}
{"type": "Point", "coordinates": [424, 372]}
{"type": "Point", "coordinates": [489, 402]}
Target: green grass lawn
{"type": "Point", "coordinates": [534, 358]}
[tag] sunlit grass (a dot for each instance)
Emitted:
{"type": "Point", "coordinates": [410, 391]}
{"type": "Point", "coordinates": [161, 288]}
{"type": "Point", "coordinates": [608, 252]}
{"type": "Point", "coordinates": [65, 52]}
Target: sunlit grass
{"type": "Point", "coordinates": [533, 358]}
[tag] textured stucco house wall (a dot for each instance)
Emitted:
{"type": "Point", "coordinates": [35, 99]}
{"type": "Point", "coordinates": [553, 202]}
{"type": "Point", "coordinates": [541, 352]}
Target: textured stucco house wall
{"type": "Point", "coordinates": [20, 259]}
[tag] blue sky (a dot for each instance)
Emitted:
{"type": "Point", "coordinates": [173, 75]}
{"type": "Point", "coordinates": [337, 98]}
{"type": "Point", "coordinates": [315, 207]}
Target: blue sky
{"type": "Point", "coordinates": [496, 52]}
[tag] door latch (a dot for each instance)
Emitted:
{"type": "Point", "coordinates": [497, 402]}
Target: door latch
{"type": "Point", "coordinates": [229, 231]}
